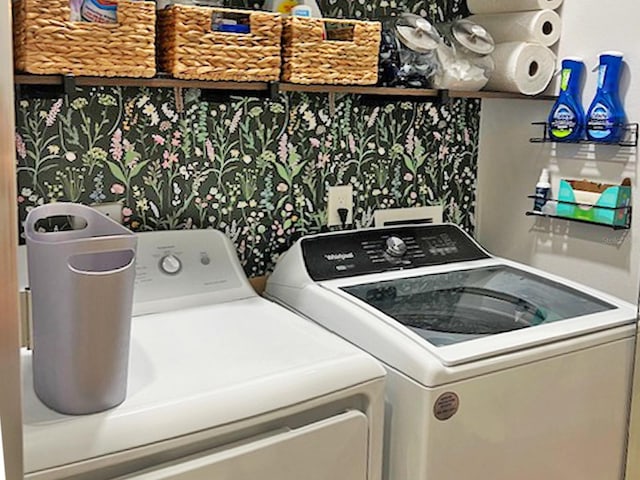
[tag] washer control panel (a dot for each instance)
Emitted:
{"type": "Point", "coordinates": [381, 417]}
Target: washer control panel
{"type": "Point", "coordinates": [364, 252]}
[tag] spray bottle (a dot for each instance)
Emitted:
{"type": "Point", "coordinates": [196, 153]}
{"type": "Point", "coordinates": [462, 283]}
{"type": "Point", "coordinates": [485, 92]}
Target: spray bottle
{"type": "Point", "coordinates": [606, 116]}
{"type": "Point", "coordinates": [567, 118]}
{"type": "Point", "coordinates": [543, 191]}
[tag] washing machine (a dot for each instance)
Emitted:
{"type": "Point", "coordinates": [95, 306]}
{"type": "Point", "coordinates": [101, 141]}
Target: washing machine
{"type": "Point", "coordinates": [496, 371]}
{"type": "Point", "coordinates": [222, 384]}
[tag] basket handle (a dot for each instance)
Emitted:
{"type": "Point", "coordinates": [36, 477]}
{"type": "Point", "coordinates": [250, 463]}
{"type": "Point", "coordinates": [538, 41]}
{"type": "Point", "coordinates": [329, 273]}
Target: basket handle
{"type": "Point", "coordinates": [88, 214]}
{"type": "Point", "coordinates": [102, 261]}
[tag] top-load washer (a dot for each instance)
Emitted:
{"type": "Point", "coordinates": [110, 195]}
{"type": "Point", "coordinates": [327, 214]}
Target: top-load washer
{"type": "Point", "coordinates": [496, 371]}
{"type": "Point", "coordinates": [222, 385]}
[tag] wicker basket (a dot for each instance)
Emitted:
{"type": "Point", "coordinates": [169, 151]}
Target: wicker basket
{"type": "Point", "coordinates": [47, 42]}
{"type": "Point", "coordinates": [189, 49]}
{"type": "Point", "coordinates": [348, 60]}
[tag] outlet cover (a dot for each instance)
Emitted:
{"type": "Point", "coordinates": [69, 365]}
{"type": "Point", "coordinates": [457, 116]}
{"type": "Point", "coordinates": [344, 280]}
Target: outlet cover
{"type": "Point", "coordinates": [112, 210]}
{"type": "Point", "coordinates": [340, 197]}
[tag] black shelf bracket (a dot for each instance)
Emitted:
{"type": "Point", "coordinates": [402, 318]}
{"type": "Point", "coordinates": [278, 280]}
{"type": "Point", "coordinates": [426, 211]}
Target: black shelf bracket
{"type": "Point", "coordinates": [30, 91]}
{"type": "Point", "coordinates": [273, 91]}
{"type": "Point", "coordinates": [629, 138]}
{"type": "Point", "coordinates": [443, 97]}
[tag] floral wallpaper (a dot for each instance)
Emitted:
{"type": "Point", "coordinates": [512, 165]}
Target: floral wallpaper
{"type": "Point", "coordinates": [258, 170]}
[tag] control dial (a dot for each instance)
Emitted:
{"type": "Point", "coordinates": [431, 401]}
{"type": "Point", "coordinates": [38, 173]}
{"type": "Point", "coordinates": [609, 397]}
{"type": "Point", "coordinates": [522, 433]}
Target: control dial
{"type": "Point", "coordinates": [396, 247]}
{"type": "Point", "coordinates": [170, 264]}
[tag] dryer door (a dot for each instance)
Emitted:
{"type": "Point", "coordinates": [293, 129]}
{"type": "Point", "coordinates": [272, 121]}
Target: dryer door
{"type": "Point", "coordinates": [332, 449]}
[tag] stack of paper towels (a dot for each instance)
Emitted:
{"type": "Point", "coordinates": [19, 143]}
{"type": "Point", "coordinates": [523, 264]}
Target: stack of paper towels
{"type": "Point", "coordinates": [523, 30]}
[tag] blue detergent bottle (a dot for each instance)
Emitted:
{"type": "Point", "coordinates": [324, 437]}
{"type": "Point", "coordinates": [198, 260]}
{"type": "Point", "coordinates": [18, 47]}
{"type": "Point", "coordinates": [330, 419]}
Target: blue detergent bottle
{"type": "Point", "coordinates": [606, 116]}
{"type": "Point", "coordinates": [567, 118]}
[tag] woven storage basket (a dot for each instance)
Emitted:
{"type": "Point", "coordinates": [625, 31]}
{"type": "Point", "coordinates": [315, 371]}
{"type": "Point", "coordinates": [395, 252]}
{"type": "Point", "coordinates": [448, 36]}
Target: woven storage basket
{"type": "Point", "coordinates": [189, 49]}
{"type": "Point", "coordinates": [47, 42]}
{"type": "Point", "coordinates": [309, 59]}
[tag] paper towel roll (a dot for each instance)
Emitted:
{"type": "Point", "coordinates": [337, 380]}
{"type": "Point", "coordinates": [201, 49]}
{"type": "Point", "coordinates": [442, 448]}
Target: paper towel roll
{"type": "Point", "coordinates": [522, 68]}
{"type": "Point", "coordinates": [500, 6]}
{"type": "Point", "coordinates": [542, 26]}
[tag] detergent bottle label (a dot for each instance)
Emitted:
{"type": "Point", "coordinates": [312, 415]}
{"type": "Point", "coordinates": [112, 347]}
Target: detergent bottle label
{"type": "Point", "coordinates": [99, 11]}
{"type": "Point", "coordinates": [600, 123]}
{"type": "Point", "coordinates": [564, 122]}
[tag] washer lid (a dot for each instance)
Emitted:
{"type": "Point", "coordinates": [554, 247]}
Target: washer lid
{"type": "Point", "coordinates": [475, 313]}
{"type": "Point", "coordinates": [197, 369]}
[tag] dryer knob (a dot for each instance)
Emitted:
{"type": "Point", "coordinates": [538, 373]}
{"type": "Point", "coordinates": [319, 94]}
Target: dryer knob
{"type": "Point", "coordinates": [171, 265]}
{"type": "Point", "coordinates": [396, 247]}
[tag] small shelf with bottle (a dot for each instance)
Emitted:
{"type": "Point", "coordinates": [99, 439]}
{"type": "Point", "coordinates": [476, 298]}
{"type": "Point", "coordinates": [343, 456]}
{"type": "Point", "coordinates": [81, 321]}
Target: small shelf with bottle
{"type": "Point", "coordinates": [629, 137]}
{"type": "Point", "coordinates": [605, 216]}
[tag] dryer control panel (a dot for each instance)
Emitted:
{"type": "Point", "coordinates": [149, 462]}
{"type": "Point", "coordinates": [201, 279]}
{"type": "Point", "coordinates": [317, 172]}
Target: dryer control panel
{"type": "Point", "coordinates": [364, 252]}
{"type": "Point", "coordinates": [183, 269]}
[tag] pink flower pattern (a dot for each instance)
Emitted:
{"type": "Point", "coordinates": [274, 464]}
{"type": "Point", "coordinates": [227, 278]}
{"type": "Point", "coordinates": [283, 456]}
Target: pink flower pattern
{"type": "Point", "coordinates": [116, 145]}
{"type": "Point", "coordinates": [53, 113]}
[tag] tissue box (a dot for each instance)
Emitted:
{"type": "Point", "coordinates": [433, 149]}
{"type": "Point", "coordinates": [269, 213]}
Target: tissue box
{"type": "Point", "coordinates": [597, 202]}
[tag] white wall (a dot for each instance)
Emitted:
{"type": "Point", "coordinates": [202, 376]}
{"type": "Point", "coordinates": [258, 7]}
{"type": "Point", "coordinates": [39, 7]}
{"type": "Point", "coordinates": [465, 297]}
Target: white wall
{"type": "Point", "coordinates": [510, 165]}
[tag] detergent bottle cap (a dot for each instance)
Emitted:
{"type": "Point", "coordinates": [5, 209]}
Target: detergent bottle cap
{"type": "Point", "coordinates": [612, 53]}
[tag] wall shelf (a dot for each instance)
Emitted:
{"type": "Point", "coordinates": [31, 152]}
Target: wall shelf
{"type": "Point", "coordinates": [629, 139]}
{"type": "Point", "coordinates": [68, 83]}
{"type": "Point", "coordinates": [577, 220]}
{"type": "Point", "coordinates": [535, 213]}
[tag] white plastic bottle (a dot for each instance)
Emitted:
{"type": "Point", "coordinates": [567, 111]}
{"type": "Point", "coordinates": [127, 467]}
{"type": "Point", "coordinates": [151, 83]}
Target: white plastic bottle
{"type": "Point", "coordinates": [543, 191]}
{"type": "Point", "coordinates": [285, 7]}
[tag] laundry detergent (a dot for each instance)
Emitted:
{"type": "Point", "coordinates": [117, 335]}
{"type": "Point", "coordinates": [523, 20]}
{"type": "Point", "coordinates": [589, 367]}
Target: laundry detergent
{"type": "Point", "coordinates": [606, 116]}
{"type": "Point", "coordinates": [567, 117]}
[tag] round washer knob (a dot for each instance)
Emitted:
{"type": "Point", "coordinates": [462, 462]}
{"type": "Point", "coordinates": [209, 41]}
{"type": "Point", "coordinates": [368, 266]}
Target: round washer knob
{"type": "Point", "coordinates": [171, 265]}
{"type": "Point", "coordinates": [396, 247]}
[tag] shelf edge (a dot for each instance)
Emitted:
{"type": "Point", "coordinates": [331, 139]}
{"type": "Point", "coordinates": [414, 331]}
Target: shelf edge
{"type": "Point", "coordinates": [163, 81]}
{"type": "Point", "coordinates": [531, 213]}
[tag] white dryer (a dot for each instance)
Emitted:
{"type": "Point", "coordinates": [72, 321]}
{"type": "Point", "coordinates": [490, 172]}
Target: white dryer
{"type": "Point", "coordinates": [496, 371]}
{"type": "Point", "coordinates": [222, 385]}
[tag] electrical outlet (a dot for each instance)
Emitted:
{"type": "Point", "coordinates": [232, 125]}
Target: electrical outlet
{"type": "Point", "coordinates": [112, 210]}
{"type": "Point", "coordinates": [340, 197]}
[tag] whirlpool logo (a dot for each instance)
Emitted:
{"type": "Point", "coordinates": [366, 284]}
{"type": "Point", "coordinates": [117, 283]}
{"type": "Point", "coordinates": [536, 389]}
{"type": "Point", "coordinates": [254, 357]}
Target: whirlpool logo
{"type": "Point", "coordinates": [339, 257]}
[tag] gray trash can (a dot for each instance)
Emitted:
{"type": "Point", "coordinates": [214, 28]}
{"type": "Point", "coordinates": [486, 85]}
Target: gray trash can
{"type": "Point", "coordinates": [82, 292]}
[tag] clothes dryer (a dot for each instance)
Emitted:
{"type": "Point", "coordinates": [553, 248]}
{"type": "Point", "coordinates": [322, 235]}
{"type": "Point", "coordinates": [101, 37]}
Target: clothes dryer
{"type": "Point", "coordinates": [222, 384]}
